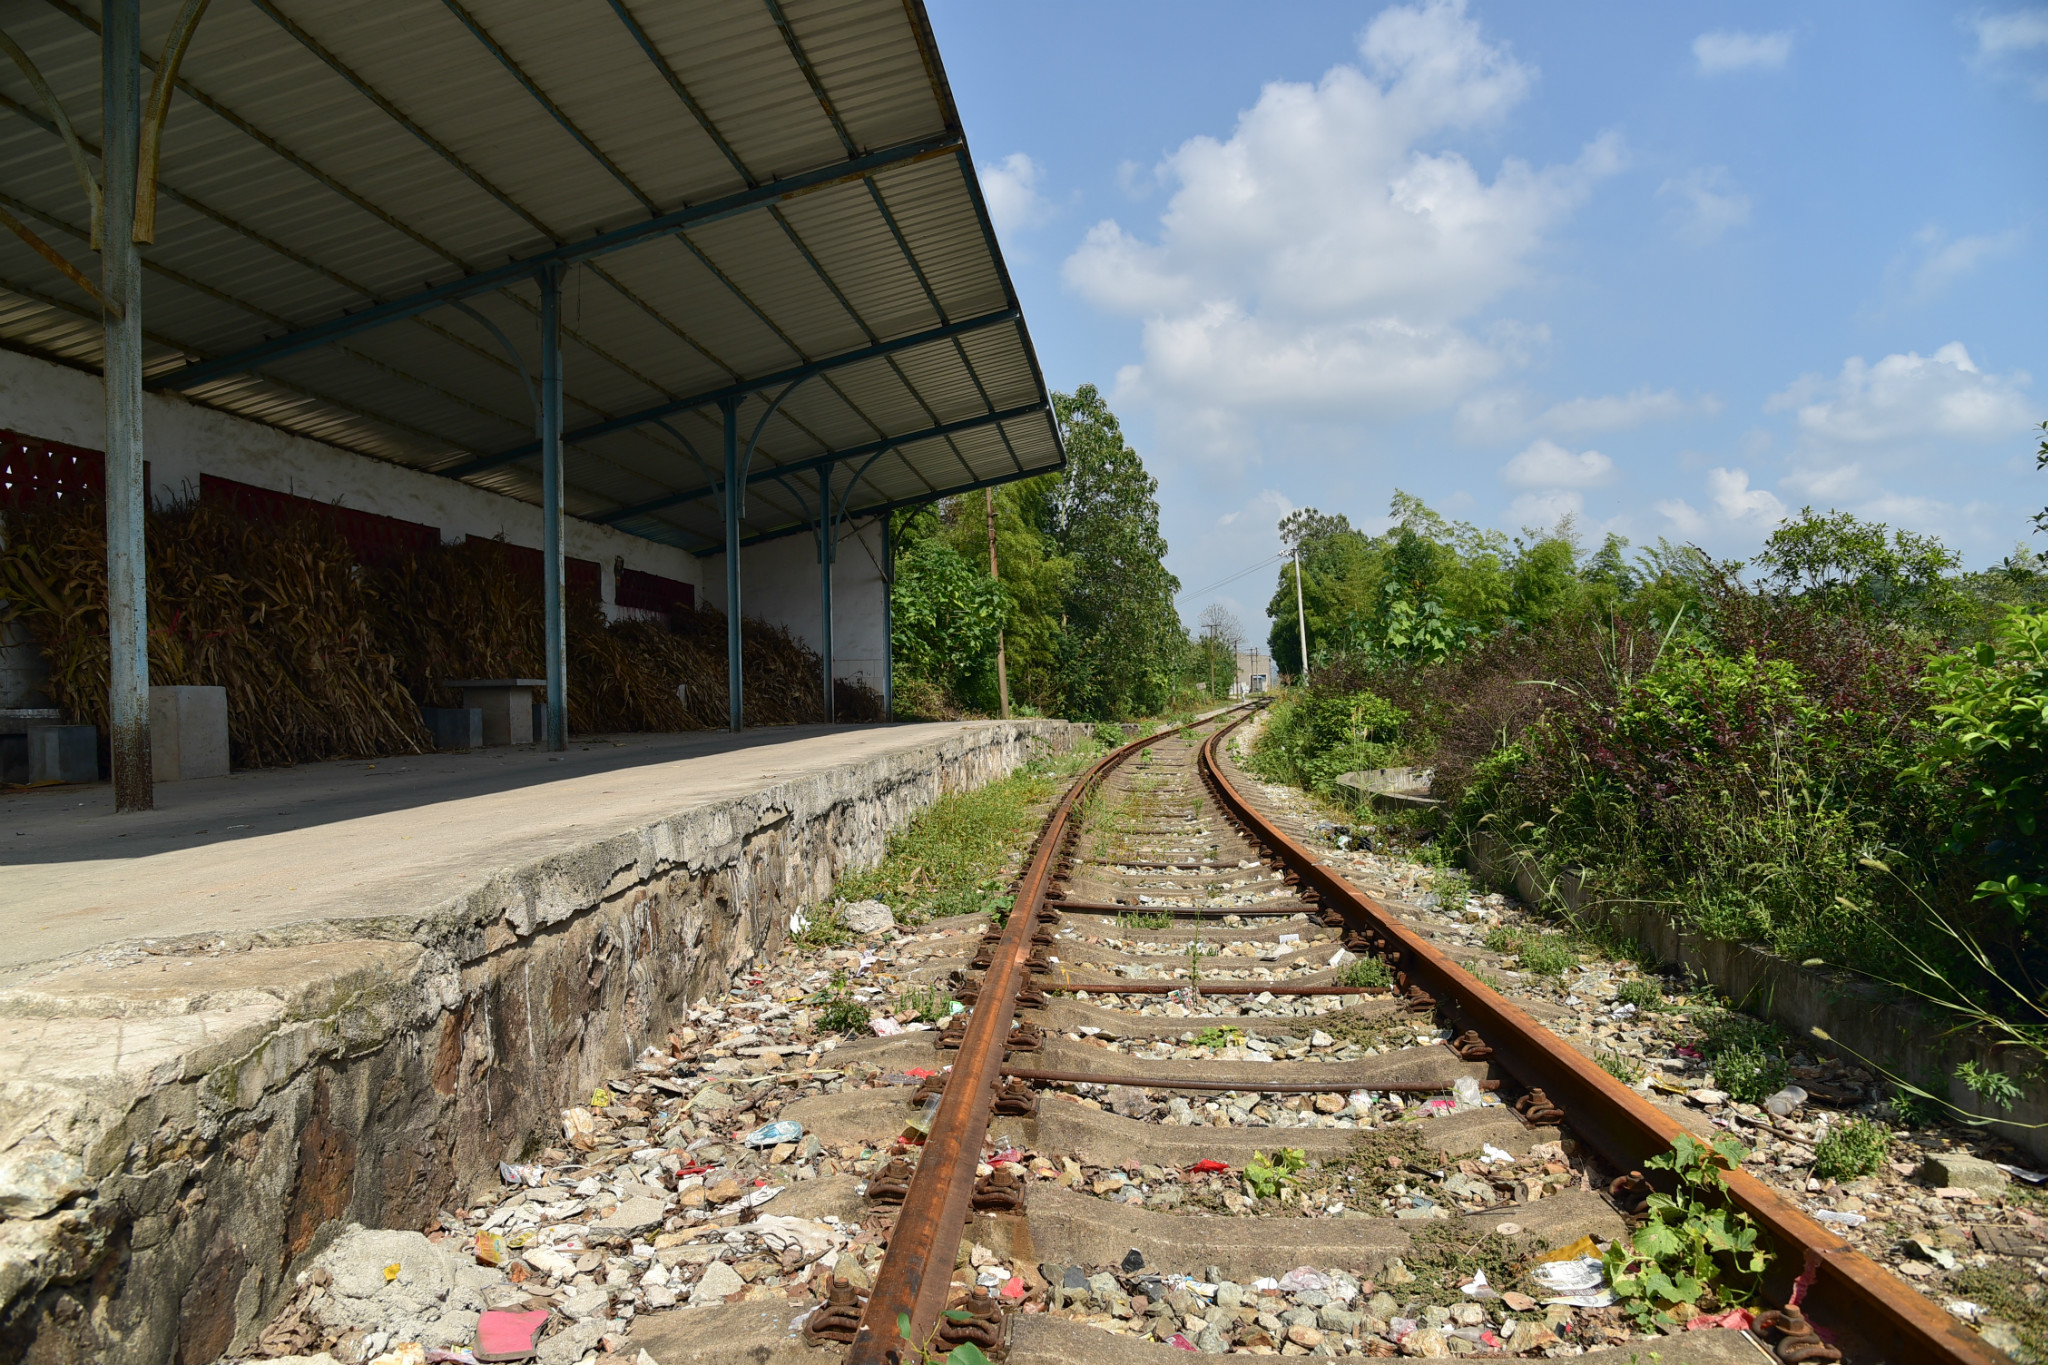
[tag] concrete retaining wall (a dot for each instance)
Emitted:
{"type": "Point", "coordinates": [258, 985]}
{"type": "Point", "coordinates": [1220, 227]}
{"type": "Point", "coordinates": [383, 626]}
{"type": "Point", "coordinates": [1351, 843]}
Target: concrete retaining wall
{"type": "Point", "coordinates": [1905, 1037]}
{"type": "Point", "coordinates": [178, 1135]}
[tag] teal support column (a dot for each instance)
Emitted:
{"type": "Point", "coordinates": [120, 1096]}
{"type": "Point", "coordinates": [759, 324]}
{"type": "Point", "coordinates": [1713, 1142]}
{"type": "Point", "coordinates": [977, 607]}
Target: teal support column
{"type": "Point", "coordinates": [735, 673]}
{"type": "Point", "coordinates": [888, 619]}
{"type": "Point", "coordinates": [827, 535]}
{"type": "Point", "coordinates": [121, 282]}
{"type": "Point", "coordinates": [553, 569]}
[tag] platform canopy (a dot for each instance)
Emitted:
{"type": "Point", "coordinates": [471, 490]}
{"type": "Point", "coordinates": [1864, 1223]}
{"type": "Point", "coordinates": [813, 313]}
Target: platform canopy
{"type": "Point", "coordinates": [743, 194]}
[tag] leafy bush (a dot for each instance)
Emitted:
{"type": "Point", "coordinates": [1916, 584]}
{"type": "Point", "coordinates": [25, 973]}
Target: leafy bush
{"type": "Point", "coordinates": [1266, 1178]}
{"type": "Point", "coordinates": [1851, 1149]}
{"type": "Point", "coordinates": [1992, 733]}
{"type": "Point", "coordinates": [1109, 734]}
{"type": "Point", "coordinates": [1547, 955]}
{"type": "Point", "coordinates": [1692, 1242]}
{"type": "Point", "coordinates": [1311, 741]}
{"type": "Point", "coordinates": [1643, 993]}
{"type": "Point", "coordinates": [1366, 971]}
{"type": "Point", "coordinates": [839, 1012]}
{"type": "Point", "coordinates": [1747, 1057]}
{"type": "Point", "coordinates": [1625, 1069]}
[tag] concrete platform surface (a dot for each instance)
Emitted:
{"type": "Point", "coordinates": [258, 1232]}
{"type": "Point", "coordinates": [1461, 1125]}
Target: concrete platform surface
{"type": "Point", "coordinates": [325, 842]}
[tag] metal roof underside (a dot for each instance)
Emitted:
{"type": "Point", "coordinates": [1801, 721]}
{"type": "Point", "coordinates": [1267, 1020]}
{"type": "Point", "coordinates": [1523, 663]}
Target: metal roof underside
{"type": "Point", "coordinates": [744, 193]}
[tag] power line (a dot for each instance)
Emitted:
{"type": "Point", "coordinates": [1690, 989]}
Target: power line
{"type": "Point", "coordinates": [1270, 560]}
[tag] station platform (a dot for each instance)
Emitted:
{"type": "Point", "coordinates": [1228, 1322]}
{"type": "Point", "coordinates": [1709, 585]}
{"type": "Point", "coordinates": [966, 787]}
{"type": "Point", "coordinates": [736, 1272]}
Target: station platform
{"type": "Point", "coordinates": [264, 850]}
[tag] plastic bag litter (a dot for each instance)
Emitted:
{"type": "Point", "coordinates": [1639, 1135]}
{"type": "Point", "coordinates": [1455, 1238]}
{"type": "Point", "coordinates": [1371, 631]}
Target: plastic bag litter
{"type": "Point", "coordinates": [1304, 1277]}
{"type": "Point", "coordinates": [885, 1027]}
{"type": "Point", "coordinates": [1466, 1091]}
{"type": "Point", "coordinates": [535, 1175]}
{"type": "Point", "coordinates": [775, 1134]}
{"type": "Point", "coordinates": [1847, 1220]}
{"type": "Point", "coordinates": [1489, 1152]}
{"type": "Point", "coordinates": [1478, 1288]}
{"type": "Point", "coordinates": [1785, 1102]}
{"type": "Point", "coordinates": [1580, 1282]}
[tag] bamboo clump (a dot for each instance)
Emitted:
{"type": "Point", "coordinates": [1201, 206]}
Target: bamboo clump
{"type": "Point", "coordinates": [324, 657]}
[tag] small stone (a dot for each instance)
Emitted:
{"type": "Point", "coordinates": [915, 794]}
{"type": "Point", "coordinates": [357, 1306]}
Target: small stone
{"type": "Point", "coordinates": [1134, 1261]}
{"type": "Point", "coordinates": [719, 1280]}
{"type": "Point", "coordinates": [1301, 1334]}
{"type": "Point", "coordinates": [1518, 1301]}
{"type": "Point", "coordinates": [1321, 1039]}
{"type": "Point", "coordinates": [1210, 1341]}
{"type": "Point", "coordinates": [1330, 1104]}
{"type": "Point", "coordinates": [632, 1215]}
{"type": "Point", "coordinates": [867, 917]}
{"type": "Point", "coordinates": [593, 1302]}
{"type": "Point", "coordinates": [1426, 1343]}
{"type": "Point", "coordinates": [1963, 1172]}
{"type": "Point", "coordinates": [1397, 1273]}
{"type": "Point", "coordinates": [725, 1191]}
{"type": "Point", "coordinates": [1708, 1098]}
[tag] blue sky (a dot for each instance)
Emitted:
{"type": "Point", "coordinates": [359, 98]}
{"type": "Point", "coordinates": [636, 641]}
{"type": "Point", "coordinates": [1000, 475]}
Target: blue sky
{"type": "Point", "coordinates": [1675, 269]}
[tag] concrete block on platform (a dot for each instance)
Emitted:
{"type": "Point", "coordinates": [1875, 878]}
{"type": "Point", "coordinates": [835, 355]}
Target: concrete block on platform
{"type": "Point", "coordinates": [507, 704]}
{"type": "Point", "coordinates": [63, 753]}
{"type": "Point", "coordinates": [188, 732]}
{"type": "Point", "coordinates": [454, 727]}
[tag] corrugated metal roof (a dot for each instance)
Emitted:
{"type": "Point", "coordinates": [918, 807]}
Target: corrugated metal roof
{"type": "Point", "coordinates": [745, 190]}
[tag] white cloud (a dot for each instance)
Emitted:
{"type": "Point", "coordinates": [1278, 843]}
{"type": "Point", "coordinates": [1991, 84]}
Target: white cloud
{"type": "Point", "coordinates": [1732, 505]}
{"type": "Point", "coordinates": [2020, 30]}
{"type": "Point", "coordinates": [1011, 188]}
{"type": "Point", "coordinates": [1722, 52]}
{"type": "Point", "coordinates": [1546, 464]}
{"type": "Point", "coordinates": [1506, 414]}
{"type": "Point", "coordinates": [1935, 261]}
{"type": "Point", "coordinates": [2006, 41]}
{"type": "Point", "coordinates": [1326, 256]}
{"type": "Point", "coordinates": [1545, 507]}
{"type": "Point", "coordinates": [1709, 203]}
{"type": "Point", "coordinates": [1909, 398]}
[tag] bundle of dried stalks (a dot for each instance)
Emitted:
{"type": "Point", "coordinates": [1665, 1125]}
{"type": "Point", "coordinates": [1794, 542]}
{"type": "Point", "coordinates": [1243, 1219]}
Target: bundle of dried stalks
{"type": "Point", "coordinates": [278, 614]}
{"type": "Point", "coordinates": [323, 658]}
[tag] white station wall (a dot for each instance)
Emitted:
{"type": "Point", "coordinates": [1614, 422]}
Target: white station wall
{"type": "Point", "coordinates": [182, 440]}
{"type": "Point", "coordinates": [779, 582]}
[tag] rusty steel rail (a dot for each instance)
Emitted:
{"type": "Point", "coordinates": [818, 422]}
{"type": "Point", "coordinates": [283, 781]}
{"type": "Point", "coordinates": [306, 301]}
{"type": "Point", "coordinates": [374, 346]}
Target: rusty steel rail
{"type": "Point", "coordinates": [916, 1274]}
{"type": "Point", "coordinates": [1848, 1294]}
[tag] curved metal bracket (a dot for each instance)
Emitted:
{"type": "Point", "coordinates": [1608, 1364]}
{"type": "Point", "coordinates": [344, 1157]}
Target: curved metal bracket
{"type": "Point", "coordinates": [56, 258]}
{"type": "Point", "coordinates": [518, 360]}
{"type": "Point", "coordinates": [747, 455]}
{"type": "Point", "coordinates": [79, 163]}
{"type": "Point", "coordinates": [149, 152]}
{"type": "Point", "coordinates": [833, 544]}
{"type": "Point", "coordinates": [717, 484]}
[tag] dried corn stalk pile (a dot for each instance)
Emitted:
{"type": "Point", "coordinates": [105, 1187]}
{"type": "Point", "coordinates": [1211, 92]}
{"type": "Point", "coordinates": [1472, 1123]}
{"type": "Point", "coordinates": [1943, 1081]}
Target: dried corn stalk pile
{"type": "Point", "coordinates": [324, 658]}
{"type": "Point", "coordinates": [279, 615]}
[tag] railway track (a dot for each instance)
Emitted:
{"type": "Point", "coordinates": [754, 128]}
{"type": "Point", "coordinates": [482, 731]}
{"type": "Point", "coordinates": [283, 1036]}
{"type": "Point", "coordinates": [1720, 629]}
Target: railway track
{"type": "Point", "coordinates": [1180, 1100]}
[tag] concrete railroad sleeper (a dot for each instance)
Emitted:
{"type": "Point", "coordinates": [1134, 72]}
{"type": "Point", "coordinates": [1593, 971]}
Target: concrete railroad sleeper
{"type": "Point", "coordinates": [1870, 1316]}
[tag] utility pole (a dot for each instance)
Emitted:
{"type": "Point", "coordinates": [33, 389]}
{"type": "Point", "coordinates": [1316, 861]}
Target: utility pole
{"type": "Point", "coordinates": [1300, 615]}
{"type": "Point", "coordinates": [1002, 661]}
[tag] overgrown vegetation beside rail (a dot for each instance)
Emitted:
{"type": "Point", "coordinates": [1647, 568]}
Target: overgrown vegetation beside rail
{"type": "Point", "coordinates": [955, 858]}
{"type": "Point", "coordinates": [1838, 750]}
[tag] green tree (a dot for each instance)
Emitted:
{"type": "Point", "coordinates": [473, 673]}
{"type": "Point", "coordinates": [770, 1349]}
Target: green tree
{"type": "Point", "coordinates": [1861, 567]}
{"type": "Point", "coordinates": [1122, 644]}
{"type": "Point", "coordinates": [946, 615]}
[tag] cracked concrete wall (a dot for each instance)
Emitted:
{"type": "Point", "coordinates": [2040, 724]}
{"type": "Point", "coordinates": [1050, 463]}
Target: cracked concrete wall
{"type": "Point", "coordinates": [178, 1134]}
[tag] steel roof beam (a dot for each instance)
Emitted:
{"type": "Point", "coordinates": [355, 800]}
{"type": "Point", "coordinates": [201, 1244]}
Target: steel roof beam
{"type": "Point", "coordinates": [821, 461]}
{"type": "Point", "coordinates": [598, 244]}
{"type": "Point", "coordinates": [739, 390]}
{"type": "Point", "coordinates": [880, 509]}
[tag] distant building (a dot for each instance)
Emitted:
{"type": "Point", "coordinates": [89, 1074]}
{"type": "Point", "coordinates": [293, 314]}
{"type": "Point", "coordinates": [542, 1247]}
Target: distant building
{"type": "Point", "coordinates": [1254, 668]}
